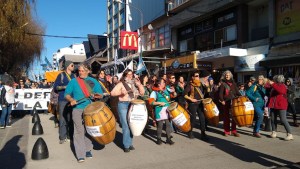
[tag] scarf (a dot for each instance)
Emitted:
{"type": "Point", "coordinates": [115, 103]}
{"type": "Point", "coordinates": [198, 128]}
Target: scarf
{"type": "Point", "coordinates": [84, 87]}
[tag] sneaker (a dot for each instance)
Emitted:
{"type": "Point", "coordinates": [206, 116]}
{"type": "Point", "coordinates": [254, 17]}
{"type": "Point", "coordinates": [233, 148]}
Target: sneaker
{"type": "Point", "coordinates": [80, 160]}
{"type": "Point", "coordinates": [289, 137]}
{"type": "Point", "coordinates": [126, 150]}
{"type": "Point", "coordinates": [2, 127]}
{"type": "Point", "coordinates": [273, 135]}
{"type": "Point", "coordinates": [56, 125]}
{"type": "Point", "coordinates": [226, 134]}
{"type": "Point", "coordinates": [191, 135]}
{"type": "Point", "coordinates": [131, 148]}
{"type": "Point", "coordinates": [62, 141]}
{"type": "Point", "coordinates": [8, 125]}
{"type": "Point", "coordinates": [257, 135]}
{"type": "Point", "coordinates": [89, 154]}
{"type": "Point", "coordinates": [204, 137]}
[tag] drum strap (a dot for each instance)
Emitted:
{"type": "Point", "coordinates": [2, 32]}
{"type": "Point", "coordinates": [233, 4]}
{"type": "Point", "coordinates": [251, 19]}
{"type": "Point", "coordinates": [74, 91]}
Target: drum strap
{"type": "Point", "coordinates": [86, 89]}
{"type": "Point", "coordinates": [130, 93]}
{"type": "Point", "coordinates": [103, 86]}
{"type": "Point", "coordinates": [199, 92]}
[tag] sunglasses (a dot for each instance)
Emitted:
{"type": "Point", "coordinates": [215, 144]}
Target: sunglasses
{"type": "Point", "coordinates": [172, 77]}
{"type": "Point", "coordinates": [72, 65]}
{"type": "Point", "coordinates": [196, 76]}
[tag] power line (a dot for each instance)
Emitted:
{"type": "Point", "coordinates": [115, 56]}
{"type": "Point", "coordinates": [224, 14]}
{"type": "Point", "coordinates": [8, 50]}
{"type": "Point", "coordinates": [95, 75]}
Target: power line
{"type": "Point", "coordinates": [70, 37]}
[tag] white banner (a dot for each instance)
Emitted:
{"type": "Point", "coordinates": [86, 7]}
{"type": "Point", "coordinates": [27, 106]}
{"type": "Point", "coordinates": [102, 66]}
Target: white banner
{"type": "Point", "coordinates": [26, 99]}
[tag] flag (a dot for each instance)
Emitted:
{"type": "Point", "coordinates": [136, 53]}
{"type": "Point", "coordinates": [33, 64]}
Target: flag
{"type": "Point", "coordinates": [117, 62]}
{"type": "Point", "coordinates": [141, 66]}
{"type": "Point", "coordinates": [49, 65]}
{"type": "Point", "coordinates": [129, 66]}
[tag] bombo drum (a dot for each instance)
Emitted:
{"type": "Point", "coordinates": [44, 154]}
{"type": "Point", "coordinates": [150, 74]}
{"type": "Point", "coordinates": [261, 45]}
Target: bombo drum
{"type": "Point", "coordinates": [137, 117]}
{"type": "Point", "coordinates": [100, 123]}
{"type": "Point", "coordinates": [180, 117]}
{"type": "Point", "coordinates": [242, 111]}
{"type": "Point", "coordinates": [211, 111]}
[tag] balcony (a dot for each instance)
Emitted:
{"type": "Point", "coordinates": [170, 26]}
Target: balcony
{"type": "Point", "coordinates": [178, 5]}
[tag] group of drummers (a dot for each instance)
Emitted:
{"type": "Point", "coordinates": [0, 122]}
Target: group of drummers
{"type": "Point", "coordinates": [168, 101]}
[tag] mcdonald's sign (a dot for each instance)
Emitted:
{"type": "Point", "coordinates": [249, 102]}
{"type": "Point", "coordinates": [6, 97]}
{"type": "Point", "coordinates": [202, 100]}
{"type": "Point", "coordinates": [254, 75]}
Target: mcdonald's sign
{"type": "Point", "coordinates": [129, 40]}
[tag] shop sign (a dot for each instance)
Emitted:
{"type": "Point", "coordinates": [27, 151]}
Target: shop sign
{"type": "Point", "coordinates": [185, 62]}
{"type": "Point", "coordinates": [129, 40]}
{"type": "Point", "coordinates": [248, 63]}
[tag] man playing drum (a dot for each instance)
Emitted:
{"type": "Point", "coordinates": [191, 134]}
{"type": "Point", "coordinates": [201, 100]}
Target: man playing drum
{"type": "Point", "coordinates": [80, 92]}
{"type": "Point", "coordinates": [127, 89]}
{"type": "Point", "coordinates": [194, 93]}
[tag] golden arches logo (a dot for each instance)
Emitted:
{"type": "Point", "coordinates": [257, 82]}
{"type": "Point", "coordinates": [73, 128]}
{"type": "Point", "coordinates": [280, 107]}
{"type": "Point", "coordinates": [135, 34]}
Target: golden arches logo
{"type": "Point", "coordinates": [131, 38]}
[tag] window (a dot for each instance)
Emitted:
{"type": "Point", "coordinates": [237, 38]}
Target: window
{"type": "Point", "coordinates": [225, 34]}
{"type": "Point", "coordinates": [110, 12]}
{"type": "Point", "coordinates": [110, 27]}
{"type": "Point", "coordinates": [186, 45]}
{"type": "Point", "coordinates": [116, 7]}
{"type": "Point", "coordinates": [163, 36]}
{"type": "Point", "coordinates": [151, 40]}
{"type": "Point", "coordinates": [122, 20]}
{"type": "Point", "coordinates": [116, 23]}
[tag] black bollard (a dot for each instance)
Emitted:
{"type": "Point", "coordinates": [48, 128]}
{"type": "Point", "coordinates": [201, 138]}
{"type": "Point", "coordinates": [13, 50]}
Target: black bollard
{"type": "Point", "coordinates": [34, 111]}
{"type": "Point", "coordinates": [37, 128]}
{"type": "Point", "coordinates": [35, 118]}
{"type": "Point", "coordinates": [40, 150]}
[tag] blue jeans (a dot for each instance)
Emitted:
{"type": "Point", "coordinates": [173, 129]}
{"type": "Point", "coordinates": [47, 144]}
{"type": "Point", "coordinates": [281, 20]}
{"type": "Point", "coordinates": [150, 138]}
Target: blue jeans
{"type": "Point", "coordinates": [5, 114]}
{"type": "Point", "coordinates": [127, 136]}
{"type": "Point", "coordinates": [259, 111]}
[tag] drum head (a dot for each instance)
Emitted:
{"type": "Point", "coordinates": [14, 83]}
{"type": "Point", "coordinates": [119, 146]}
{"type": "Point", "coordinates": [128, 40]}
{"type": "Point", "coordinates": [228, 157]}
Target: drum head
{"type": "Point", "coordinates": [172, 106]}
{"type": "Point", "coordinates": [91, 108]}
{"type": "Point", "coordinates": [207, 100]}
{"type": "Point", "coordinates": [137, 101]}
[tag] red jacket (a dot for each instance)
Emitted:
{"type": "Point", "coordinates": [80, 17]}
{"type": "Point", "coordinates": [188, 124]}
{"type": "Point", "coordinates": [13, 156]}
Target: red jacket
{"type": "Point", "coordinates": [278, 97]}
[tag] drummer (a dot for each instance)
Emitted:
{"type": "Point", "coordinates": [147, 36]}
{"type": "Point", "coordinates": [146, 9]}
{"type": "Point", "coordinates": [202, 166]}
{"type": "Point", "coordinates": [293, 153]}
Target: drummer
{"type": "Point", "coordinates": [160, 98]}
{"type": "Point", "coordinates": [227, 91]}
{"type": "Point", "coordinates": [194, 92]}
{"type": "Point", "coordinates": [128, 89]}
{"type": "Point", "coordinates": [105, 85]}
{"type": "Point", "coordinates": [79, 92]}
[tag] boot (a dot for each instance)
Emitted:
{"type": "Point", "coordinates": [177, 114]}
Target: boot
{"type": "Point", "coordinates": [289, 137]}
{"type": "Point", "coordinates": [169, 141]}
{"type": "Point", "coordinates": [203, 137]}
{"type": "Point", "coordinates": [273, 135]}
{"type": "Point", "coordinates": [158, 141]}
{"type": "Point", "coordinates": [295, 121]}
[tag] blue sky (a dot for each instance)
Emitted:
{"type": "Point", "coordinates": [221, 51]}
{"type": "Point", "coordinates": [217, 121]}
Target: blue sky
{"type": "Point", "coordinates": [69, 18]}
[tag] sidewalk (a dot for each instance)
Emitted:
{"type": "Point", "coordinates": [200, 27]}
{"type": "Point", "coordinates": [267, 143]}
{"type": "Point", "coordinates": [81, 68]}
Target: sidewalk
{"type": "Point", "coordinates": [220, 152]}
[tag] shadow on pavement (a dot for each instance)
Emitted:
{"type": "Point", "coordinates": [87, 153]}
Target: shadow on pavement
{"type": "Point", "coordinates": [240, 152]}
{"type": "Point", "coordinates": [119, 140]}
{"type": "Point", "coordinates": [10, 155]}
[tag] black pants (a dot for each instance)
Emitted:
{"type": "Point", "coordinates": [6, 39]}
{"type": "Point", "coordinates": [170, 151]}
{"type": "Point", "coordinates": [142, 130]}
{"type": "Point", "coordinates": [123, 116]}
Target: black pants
{"type": "Point", "coordinates": [197, 108]}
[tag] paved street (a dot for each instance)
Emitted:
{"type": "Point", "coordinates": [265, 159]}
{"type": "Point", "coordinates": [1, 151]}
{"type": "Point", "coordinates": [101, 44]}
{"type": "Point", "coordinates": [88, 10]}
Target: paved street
{"type": "Point", "coordinates": [219, 152]}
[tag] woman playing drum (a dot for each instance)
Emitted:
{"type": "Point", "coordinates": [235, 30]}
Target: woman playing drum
{"type": "Point", "coordinates": [228, 90]}
{"type": "Point", "coordinates": [127, 89]}
{"type": "Point", "coordinates": [160, 98]}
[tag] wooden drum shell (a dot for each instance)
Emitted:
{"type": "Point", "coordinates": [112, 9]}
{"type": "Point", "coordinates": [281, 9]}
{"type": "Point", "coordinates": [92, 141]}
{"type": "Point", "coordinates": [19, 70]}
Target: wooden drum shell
{"type": "Point", "coordinates": [100, 122]}
{"type": "Point", "coordinates": [242, 115]}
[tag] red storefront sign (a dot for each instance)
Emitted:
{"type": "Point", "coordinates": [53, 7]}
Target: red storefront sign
{"type": "Point", "coordinates": [129, 40]}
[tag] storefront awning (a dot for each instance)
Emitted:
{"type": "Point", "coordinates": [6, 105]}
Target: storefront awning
{"type": "Point", "coordinates": [280, 61]}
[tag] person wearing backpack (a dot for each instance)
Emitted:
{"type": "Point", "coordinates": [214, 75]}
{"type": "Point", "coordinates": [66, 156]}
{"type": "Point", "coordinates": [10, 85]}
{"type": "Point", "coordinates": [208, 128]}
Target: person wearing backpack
{"type": "Point", "coordinates": [64, 110]}
{"type": "Point", "coordinates": [256, 93]}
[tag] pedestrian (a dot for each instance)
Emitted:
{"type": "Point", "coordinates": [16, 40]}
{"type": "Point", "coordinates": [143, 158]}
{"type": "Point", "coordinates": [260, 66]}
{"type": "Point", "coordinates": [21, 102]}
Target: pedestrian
{"type": "Point", "coordinates": [60, 84]}
{"type": "Point", "coordinates": [128, 89]}
{"type": "Point", "coordinates": [86, 88]}
{"type": "Point", "coordinates": [256, 93]}
{"type": "Point", "coordinates": [7, 101]}
{"type": "Point", "coordinates": [279, 103]}
{"type": "Point", "coordinates": [242, 89]}
{"type": "Point", "coordinates": [291, 89]}
{"type": "Point", "coordinates": [180, 92]}
{"type": "Point", "coordinates": [160, 98]}
{"type": "Point", "coordinates": [105, 85]}
{"type": "Point", "coordinates": [228, 90]}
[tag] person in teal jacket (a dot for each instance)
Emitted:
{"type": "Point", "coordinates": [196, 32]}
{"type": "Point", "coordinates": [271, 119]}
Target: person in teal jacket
{"type": "Point", "coordinates": [160, 98]}
{"type": "Point", "coordinates": [256, 93]}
